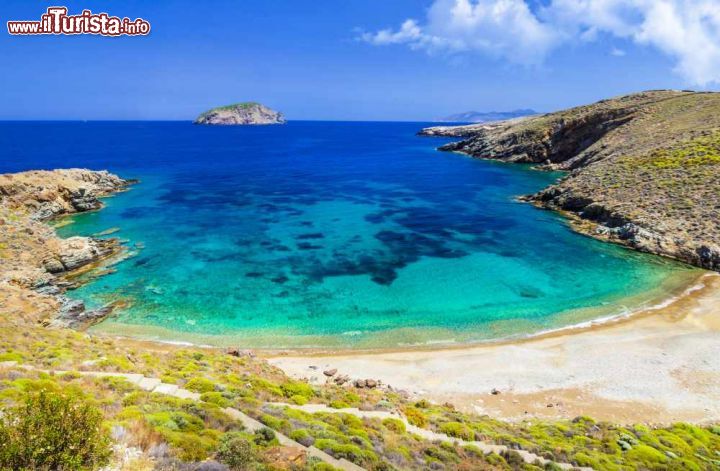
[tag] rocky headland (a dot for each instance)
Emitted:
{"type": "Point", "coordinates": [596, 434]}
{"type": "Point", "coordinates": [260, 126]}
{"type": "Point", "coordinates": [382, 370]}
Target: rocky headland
{"type": "Point", "coordinates": [36, 265]}
{"type": "Point", "coordinates": [643, 168]}
{"type": "Point", "coordinates": [247, 113]}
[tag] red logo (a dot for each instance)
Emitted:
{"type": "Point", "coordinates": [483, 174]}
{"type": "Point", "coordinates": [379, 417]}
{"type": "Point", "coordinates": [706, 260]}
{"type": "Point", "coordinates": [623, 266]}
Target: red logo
{"type": "Point", "coordinates": [57, 21]}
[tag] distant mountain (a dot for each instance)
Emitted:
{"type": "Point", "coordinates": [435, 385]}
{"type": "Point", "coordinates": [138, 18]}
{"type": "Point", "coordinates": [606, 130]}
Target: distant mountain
{"type": "Point", "coordinates": [480, 117]}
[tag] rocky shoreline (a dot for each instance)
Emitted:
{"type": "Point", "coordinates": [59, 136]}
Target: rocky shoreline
{"type": "Point", "coordinates": [643, 168]}
{"type": "Point", "coordinates": [38, 267]}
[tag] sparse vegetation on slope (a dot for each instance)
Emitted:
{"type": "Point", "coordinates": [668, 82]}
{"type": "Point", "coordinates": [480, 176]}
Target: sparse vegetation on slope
{"type": "Point", "coordinates": [643, 168]}
{"type": "Point", "coordinates": [149, 430]}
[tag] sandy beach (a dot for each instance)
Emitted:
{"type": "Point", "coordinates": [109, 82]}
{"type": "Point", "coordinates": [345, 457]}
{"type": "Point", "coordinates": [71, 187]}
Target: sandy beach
{"type": "Point", "coordinates": [656, 367]}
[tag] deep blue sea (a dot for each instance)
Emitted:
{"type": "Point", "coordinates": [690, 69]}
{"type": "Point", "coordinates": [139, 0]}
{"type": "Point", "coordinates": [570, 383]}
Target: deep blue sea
{"type": "Point", "coordinates": [329, 234]}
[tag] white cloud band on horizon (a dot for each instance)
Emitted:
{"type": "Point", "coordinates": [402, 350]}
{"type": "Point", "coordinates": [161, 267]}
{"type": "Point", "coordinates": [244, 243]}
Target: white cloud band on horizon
{"type": "Point", "coordinates": [686, 30]}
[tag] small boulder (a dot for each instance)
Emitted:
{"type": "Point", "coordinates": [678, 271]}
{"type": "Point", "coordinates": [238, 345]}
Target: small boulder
{"type": "Point", "coordinates": [370, 383]}
{"type": "Point", "coordinates": [330, 373]}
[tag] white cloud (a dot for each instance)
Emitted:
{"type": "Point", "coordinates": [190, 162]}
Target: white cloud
{"type": "Point", "coordinates": [500, 28]}
{"type": "Point", "coordinates": [686, 30]}
{"type": "Point", "coordinates": [617, 52]}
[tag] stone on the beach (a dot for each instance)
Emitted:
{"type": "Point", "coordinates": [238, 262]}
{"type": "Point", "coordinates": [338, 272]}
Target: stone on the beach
{"type": "Point", "coordinates": [236, 352]}
{"type": "Point", "coordinates": [371, 383]}
{"type": "Point", "coordinates": [495, 392]}
{"type": "Point", "coordinates": [359, 383]}
{"type": "Point", "coordinates": [331, 372]}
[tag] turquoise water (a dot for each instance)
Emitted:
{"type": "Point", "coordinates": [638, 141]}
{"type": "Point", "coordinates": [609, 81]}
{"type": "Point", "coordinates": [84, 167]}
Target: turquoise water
{"type": "Point", "coordinates": [333, 234]}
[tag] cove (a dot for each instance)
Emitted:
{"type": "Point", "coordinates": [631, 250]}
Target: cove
{"type": "Point", "coordinates": [332, 235]}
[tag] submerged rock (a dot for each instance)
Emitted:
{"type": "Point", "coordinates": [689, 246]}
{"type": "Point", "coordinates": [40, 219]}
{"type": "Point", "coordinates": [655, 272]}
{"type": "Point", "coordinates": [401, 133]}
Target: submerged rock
{"type": "Point", "coordinates": [247, 113]}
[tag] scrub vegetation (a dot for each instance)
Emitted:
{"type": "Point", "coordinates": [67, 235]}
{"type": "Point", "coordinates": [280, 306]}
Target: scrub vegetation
{"type": "Point", "coordinates": [116, 419]}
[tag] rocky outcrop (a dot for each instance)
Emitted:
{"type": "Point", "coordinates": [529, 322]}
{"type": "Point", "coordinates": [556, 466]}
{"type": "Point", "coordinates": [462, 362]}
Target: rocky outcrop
{"type": "Point", "coordinates": [644, 169]}
{"type": "Point", "coordinates": [32, 256]}
{"type": "Point", "coordinates": [241, 114]}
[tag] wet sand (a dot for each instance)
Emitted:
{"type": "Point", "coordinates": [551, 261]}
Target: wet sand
{"type": "Point", "coordinates": [658, 366]}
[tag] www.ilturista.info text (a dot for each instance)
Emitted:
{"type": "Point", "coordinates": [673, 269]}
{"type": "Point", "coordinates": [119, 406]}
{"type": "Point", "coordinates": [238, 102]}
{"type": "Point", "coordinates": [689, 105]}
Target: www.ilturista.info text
{"type": "Point", "coordinates": [57, 21]}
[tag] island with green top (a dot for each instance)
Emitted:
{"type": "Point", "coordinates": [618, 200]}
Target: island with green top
{"type": "Point", "coordinates": [245, 113]}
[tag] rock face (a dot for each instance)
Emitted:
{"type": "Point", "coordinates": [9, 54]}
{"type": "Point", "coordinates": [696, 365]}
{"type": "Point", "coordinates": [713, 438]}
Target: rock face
{"type": "Point", "coordinates": [644, 169]}
{"type": "Point", "coordinates": [241, 114]}
{"type": "Point", "coordinates": [31, 254]}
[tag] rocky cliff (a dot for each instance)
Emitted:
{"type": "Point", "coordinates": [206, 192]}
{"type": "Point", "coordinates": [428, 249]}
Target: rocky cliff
{"type": "Point", "coordinates": [32, 256]}
{"type": "Point", "coordinates": [241, 114]}
{"type": "Point", "coordinates": [644, 169]}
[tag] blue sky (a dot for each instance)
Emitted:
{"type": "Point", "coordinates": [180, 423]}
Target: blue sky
{"type": "Point", "coordinates": [349, 59]}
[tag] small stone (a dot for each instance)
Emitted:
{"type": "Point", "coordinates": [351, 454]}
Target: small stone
{"type": "Point", "coordinates": [360, 383]}
{"type": "Point", "coordinates": [551, 405]}
{"type": "Point", "coordinates": [233, 352]}
{"type": "Point", "coordinates": [331, 372]}
{"type": "Point", "coordinates": [247, 353]}
{"type": "Point", "coordinates": [370, 383]}
{"type": "Point", "coordinates": [495, 392]}
{"type": "Point", "coordinates": [625, 446]}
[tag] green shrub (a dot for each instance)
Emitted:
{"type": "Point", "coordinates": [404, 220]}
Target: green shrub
{"type": "Point", "coordinates": [236, 451]}
{"type": "Point", "coordinates": [302, 436]}
{"type": "Point", "coordinates": [215, 398]}
{"type": "Point", "coordinates": [264, 436]}
{"type": "Point", "coordinates": [273, 422]}
{"type": "Point", "coordinates": [296, 388]}
{"type": "Point", "coordinates": [416, 417]}
{"type": "Point", "coordinates": [52, 430]}
{"type": "Point", "coordinates": [340, 450]}
{"type": "Point", "coordinates": [299, 400]}
{"type": "Point", "coordinates": [337, 404]}
{"type": "Point", "coordinates": [396, 425]}
{"type": "Point", "coordinates": [200, 385]}
{"type": "Point", "coordinates": [11, 356]}
{"type": "Point", "coordinates": [647, 456]}
{"type": "Point", "coordinates": [457, 430]}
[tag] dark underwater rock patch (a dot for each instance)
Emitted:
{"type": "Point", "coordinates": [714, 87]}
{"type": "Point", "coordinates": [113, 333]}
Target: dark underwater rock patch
{"type": "Point", "coordinates": [308, 246]}
{"type": "Point", "coordinates": [311, 235]}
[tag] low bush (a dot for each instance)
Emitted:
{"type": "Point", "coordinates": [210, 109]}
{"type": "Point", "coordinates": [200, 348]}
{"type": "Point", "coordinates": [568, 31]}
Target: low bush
{"type": "Point", "coordinates": [200, 385]}
{"type": "Point", "coordinates": [53, 430]}
{"type": "Point", "coordinates": [236, 451]}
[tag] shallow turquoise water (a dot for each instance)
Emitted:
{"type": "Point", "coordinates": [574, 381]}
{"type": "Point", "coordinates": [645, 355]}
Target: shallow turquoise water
{"type": "Point", "coordinates": [333, 234]}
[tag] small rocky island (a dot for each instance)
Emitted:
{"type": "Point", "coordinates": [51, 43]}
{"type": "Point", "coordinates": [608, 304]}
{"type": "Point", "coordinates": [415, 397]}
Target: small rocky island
{"type": "Point", "coordinates": [246, 113]}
